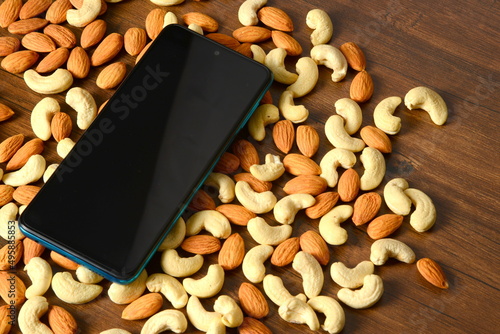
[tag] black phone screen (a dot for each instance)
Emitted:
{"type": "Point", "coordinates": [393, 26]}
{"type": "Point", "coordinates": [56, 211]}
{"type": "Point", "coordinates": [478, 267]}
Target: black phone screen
{"type": "Point", "coordinates": [130, 175]}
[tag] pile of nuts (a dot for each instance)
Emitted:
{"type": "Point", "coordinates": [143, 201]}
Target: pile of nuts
{"type": "Point", "coordinates": [243, 184]}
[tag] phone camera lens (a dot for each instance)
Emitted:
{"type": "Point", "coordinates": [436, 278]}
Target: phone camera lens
{"type": "Point", "coordinates": [217, 53]}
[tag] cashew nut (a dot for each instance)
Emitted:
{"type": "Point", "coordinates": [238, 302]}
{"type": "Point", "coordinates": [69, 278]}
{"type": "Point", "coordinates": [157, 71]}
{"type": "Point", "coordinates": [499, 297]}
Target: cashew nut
{"type": "Point", "coordinates": [287, 207]}
{"type": "Point", "coordinates": [276, 291]}
{"type": "Point", "coordinates": [170, 287]}
{"type": "Point", "coordinates": [55, 83]}
{"type": "Point", "coordinates": [82, 101]}
{"type": "Point", "coordinates": [292, 112]}
{"type": "Point", "coordinates": [232, 316]}
{"type": "Point", "coordinates": [247, 13]}
{"type": "Point", "coordinates": [49, 171]}
{"type": "Point", "coordinates": [200, 318]}
{"type": "Point", "coordinates": [271, 170]}
{"type": "Point", "coordinates": [256, 202]}
{"type": "Point", "coordinates": [42, 115]}
{"type": "Point", "coordinates": [368, 295]}
{"type": "Point", "coordinates": [127, 293]}
{"type": "Point", "coordinates": [86, 275]}
{"type": "Point", "coordinates": [395, 198]}
{"type": "Point", "coordinates": [73, 292]}
{"type": "Point", "coordinates": [424, 216]}
{"type": "Point", "coordinates": [64, 146]}
{"type": "Point", "coordinates": [329, 225]}
{"type": "Point", "coordinates": [40, 274]}
{"type": "Point", "coordinates": [30, 314]}
{"type": "Point", "coordinates": [264, 115]}
{"type": "Point", "coordinates": [275, 61]}
{"type": "Point", "coordinates": [332, 160]}
{"type": "Point", "coordinates": [352, 114]}
{"type": "Point", "coordinates": [167, 2]}
{"type": "Point", "coordinates": [253, 262]}
{"type": "Point", "coordinates": [338, 136]}
{"type": "Point", "coordinates": [8, 213]}
{"type": "Point", "coordinates": [207, 286]}
{"type": "Point", "coordinates": [297, 311]}
{"type": "Point", "coordinates": [320, 21]}
{"type": "Point", "coordinates": [224, 184]}
{"type": "Point", "coordinates": [351, 278]}
{"type": "Point", "coordinates": [87, 13]}
{"type": "Point", "coordinates": [196, 28]}
{"type": "Point", "coordinates": [32, 171]}
{"type": "Point", "coordinates": [212, 221]}
{"type": "Point", "coordinates": [334, 313]}
{"type": "Point", "coordinates": [382, 249]}
{"type": "Point", "coordinates": [170, 17]}
{"type": "Point", "coordinates": [383, 115]}
{"type": "Point", "coordinates": [332, 58]}
{"type": "Point", "coordinates": [426, 99]}
{"type": "Point", "coordinates": [259, 55]}
{"type": "Point", "coordinates": [312, 273]}
{"type": "Point", "coordinates": [115, 331]}
{"type": "Point", "coordinates": [265, 234]}
{"type": "Point", "coordinates": [175, 237]}
{"type": "Point", "coordinates": [166, 320]}
{"type": "Point", "coordinates": [374, 163]}
{"type": "Point", "coordinates": [308, 75]}
{"type": "Point", "coordinates": [174, 265]}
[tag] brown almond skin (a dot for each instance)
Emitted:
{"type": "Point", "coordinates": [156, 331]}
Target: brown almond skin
{"type": "Point", "coordinates": [432, 272]}
{"type": "Point", "coordinates": [354, 55]}
{"type": "Point", "coordinates": [313, 243]}
{"type": "Point", "coordinates": [31, 249]}
{"type": "Point", "coordinates": [6, 194]}
{"type": "Point", "coordinates": [62, 36]}
{"type": "Point", "coordinates": [32, 147]}
{"type": "Point", "coordinates": [324, 203]}
{"type": "Point", "coordinates": [252, 34]}
{"type": "Point", "coordinates": [63, 261]}
{"type": "Point", "coordinates": [305, 184]}
{"type": "Point", "coordinates": [32, 8]}
{"type": "Point", "coordinates": [11, 255]}
{"type": "Point", "coordinates": [61, 126]}
{"type": "Point", "coordinates": [23, 27]}
{"type": "Point", "coordinates": [236, 214]}
{"type": "Point", "coordinates": [53, 60]}
{"type": "Point", "coordinates": [112, 75]}
{"type": "Point", "coordinates": [232, 252]}
{"type": "Point", "coordinates": [134, 41]}
{"type": "Point", "coordinates": [78, 63]}
{"type": "Point", "coordinates": [24, 194]}
{"type": "Point", "coordinates": [56, 13]}
{"type": "Point", "coordinates": [5, 112]}
{"type": "Point", "coordinates": [9, 12]}
{"type": "Point", "coordinates": [361, 89]}
{"type": "Point", "coordinates": [284, 135]}
{"type": "Point", "coordinates": [384, 225]}
{"type": "Point", "coordinates": [246, 152]}
{"type": "Point", "coordinates": [207, 23]}
{"type": "Point", "coordinates": [224, 39]}
{"type": "Point", "coordinates": [376, 138]}
{"type": "Point", "coordinates": [38, 42]}
{"type": "Point", "coordinates": [366, 208]}
{"type": "Point", "coordinates": [201, 244]}
{"type": "Point", "coordinates": [287, 42]}
{"type": "Point", "coordinates": [93, 33]}
{"type": "Point", "coordinates": [275, 18]}
{"type": "Point", "coordinates": [202, 201]}
{"type": "Point", "coordinates": [61, 321]}
{"type": "Point", "coordinates": [227, 164]}
{"type": "Point", "coordinates": [256, 184]}
{"type": "Point", "coordinates": [253, 326]}
{"type": "Point", "coordinates": [8, 45]}
{"type": "Point", "coordinates": [245, 49]}
{"type": "Point", "coordinates": [307, 140]}
{"type": "Point", "coordinates": [10, 146]}
{"type": "Point", "coordinates": [252, 301]}
{"type": "Point", "coordinates": [285, 252]}
{"type": "Point", "coordinates": [143, 307]}
{"type": "Point", "coordinates": [348, 185]}
{"type": "Point", "coordinates": [154, 22]}
{"type": "Point", "coordinates": [107, 49]}
{"type": "Point", "coordinates": [298, 164]}
{"type": "Point", "coordinates": [5, 321]}
{"type": "Point", "coordinates": [5, 282]}
{"type": "Point", "coordinates": [19, 61]}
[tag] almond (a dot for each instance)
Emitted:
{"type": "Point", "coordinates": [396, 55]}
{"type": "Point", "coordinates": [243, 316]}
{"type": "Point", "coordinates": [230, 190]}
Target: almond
{"type": "Point", "coordinates": [19, 61]}
{"type": "Point", "coordinates": [348, 185]}
{"type": "Point", "coordinates": [313, 243]}
{"type": "Point", "coordinates": [202, 201]}
{"type": "Point", "coordinates": [305, 184]}
{"type": "Point", "coordinates": [93, 33]}
{"type": "Point", "coordinates": [61, 126]}
{"type": "Point", "coordinates": [23, 27]}
{"type": "Point", "coordinates": [284, 135]}
{"type": "Point", "coordinates": [207, 23]}
{"type": "Point", "coordinates": [432, 272]}
{"type": "Point", "coordinates": [232, 252]}
{"type": "Point", "coordinates": [56, 13]}
{"type": "Point", "coordinates": [287, 42]}
{"type": "Point", "coordinates": [10, 255]}
{"type": "Point", "coordinates": [9, 146]}
{"type": "Point", "coordinates": [5, 320]}
{"type": "Point", "coordinates": [53, 60]}
{"type": "Point", "coordinates": [32, 147]}
{"type": "Point", "coordinates": [144, 50]}
{"type": "Point", "coordinates": [253, 326]}
{"type": "Point", "coordinates": [5, 112]}
{"type": "Point", "coordinates": [252, 301]}
{"type": "Point", "coordinates": [61, 321]}
{"type": "Point", "coordinates": [275, 18]}
{"type": "Point", "coordinates": [24, 194]}
{"type": "Point", "coordinates": [245, 49]}
{"type": "Point", "coordinates": [376, 138]}
{"type": "Point", "coordinates": [107, 49]}
{"type": "Point", "coordinates": [246, 152]}
{"type": "Point", "coordinates": [36, 41]}
{"type": "Point", "coordinates": [62, 36]}
{"type": "Point", "coordinates": [366, 208]}
{"type": "Point", "coordinates": [324, 203]}
{"type": "Point", "coordinates": [256, 184]}
{"type": "Point", "coordinates": [32, 8]}
{"type": "Point", "coordinates": [7, 279]}
{"type": "Point", "coordinates": [236, 214]}
{"type": "Point", "coordinates": [361, 87]}
{"type": "Point", "coordinates": [154, 22]}
{"type": "Point", "coordinates": [384, 225]}
{"type": "Point", "coordinates": [298, 164]}
{"type": "Point", "coordinates": [143, 307]}
{"type": "Point", "coordinates": [307, 140]}
{"type": "Point", "coordinates": [78, 63]}
{"type": "Point", "coordinates": [112, 75]}
{"type": "Point", "coordinates": [252, 34]}
{"type": "Point", "coordinates": [134, 41]}
{"type": "Point", "coordinates": [31, 249]}
{"type": "Point", "coordinates": [8, 45]}
{"type": "Point", "coordinates": [9, 12]}
{"type": "Point", "coordinates": [227, 164]}
{"type": "Point", "coordinates": [6, 194]}
{"type": "Point", "coordinates": [224, 39]}
{"type": "Point", "coordinates": [354, 56]}
{"type": "Point", "coordinates": [63, 261]}
{"type": "Point", "coordinates": [201, 244]}
{"type": "Point", "coordinates": [285, 252]}
{"type": "Point", "coordinates": [267, 98]}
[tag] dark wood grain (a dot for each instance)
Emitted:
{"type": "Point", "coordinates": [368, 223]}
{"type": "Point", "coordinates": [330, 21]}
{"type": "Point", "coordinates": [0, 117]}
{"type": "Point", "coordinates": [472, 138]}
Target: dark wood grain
{"type": "Point", "coordinates": [449, 46]}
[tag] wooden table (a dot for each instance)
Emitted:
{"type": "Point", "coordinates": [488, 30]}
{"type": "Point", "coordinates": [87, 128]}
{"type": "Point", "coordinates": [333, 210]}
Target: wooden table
{"type": "Point", "coordinates": [448, 46]}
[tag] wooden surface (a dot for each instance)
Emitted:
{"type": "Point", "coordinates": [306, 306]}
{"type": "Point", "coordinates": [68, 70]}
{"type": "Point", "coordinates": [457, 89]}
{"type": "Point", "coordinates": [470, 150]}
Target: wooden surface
{"type": "Point", "coordinates": [449, 46]}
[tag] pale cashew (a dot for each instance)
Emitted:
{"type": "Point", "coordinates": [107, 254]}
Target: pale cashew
{"type": "Point", "coordinates": [320, 21]}
{"type": "Point", "coordinates": [286, 208]}
{"type": "Point", "coordinates": [200, 318]}
{"type": "Point", "coordinates": [167, 2]}
{"type": "Point", "coordinates": [29, 316]}
{"type": "Point", "coordinates": [382, 249]}
{"type": "Point", "coordinates": [312, 273]}
{"type": "Point", "coordinates": [332, 58]}
{"type": "Point", "coordinates": [217, 327]}
{"type": "Point", "coordinates": [338, 136]}
{"type": "Point", "coordinates": [32, 171]}
{"type": "Point", "coordinates": [275, 61]}
{"type": "Point", "coordinates": [73, 292]}
{"type": "Point", "coordinates": [196, 28]}
{"type": "Point", "coordinates": [49, 171]}
{"type": "Point", "coordinates": [22, 208]}
{"type": "Point", "coordinates": [174, 265]}
{"type": "Point", "coordinates": [352, 114]}
{"type": "Point", "coordinates": [367, 296]}
{"type": "Point", "coordinates": [115, 331]}
{"type": "Point", "coordinates": [297, 311]}
{"type": "Point", "coordinates": [86, 275]}
{"type": "Point", "coordinates": [351, 278]}
{"type": "Point", "coordinates": [307, 69]}
{"type": "Point", "coordinates": [264, 115]}
{"type": "Point", "coordinates": [424, 216]}
{"type": "Point", "coordinates": [8, 213]}
{"type": "Point", "coordinates": [329, 224]}
{"type": "Point", "coordinates": [85, 14]}
{"type": "Point", "coordinates": [247, 13]}
{"type": "Point", "coordinates": [271, 170]}
{"type": "Point", "coordinates": [426, 99]}
{"type": "Point", "coordinates": [166, 320]}
{"type": "Point", "coordinates": [256, 202]}
{"type": "Point", "coordinates": [82, 101]}
{"type": "Point", "coordinates": [232, 316]}
{"type": "Point", "coordinates": [259, 55]}
{"type": "Point", "coordinates": [374, 163]}
{"type": "Point", "coordinates": [383, 115]}
{"type": "Point", "coordinates": [55, 83]}
{"type": "Point", "coordinates": [207, 286]}
{"type": "Point", "coordinates": [253, 262]}
{"type": "Point", "coordinates": [212, 221]}
{"type": "Point", "coordinates": [265, 234]}
{"type": "Point", "coordinates": [127, 293]}
{"type": "Point", "coordinates": [170, 18]}
{"type": "Point", "coordinates": [292, 112]}
{"type": "Point", "coordinates": [332, 160]}
{"type": "Point", "coordinates": [395, 198]}
{"type": "Point", "coordinates": [42, 115]}
{"type": "Point", "coordinates": [334, 313]}
{"type": "Point", "coordinates": [64, 146]}
{"type": "Point", "coordinates": [175, 237]}
{"type": "Point", "coordinates": [170, 287]}
{"type": "Point", "coordinates": [224, 184]}
{"type": "Point", "coordinates": [276, 291]}
{"type": "Point", "coordinates": [40, 274]}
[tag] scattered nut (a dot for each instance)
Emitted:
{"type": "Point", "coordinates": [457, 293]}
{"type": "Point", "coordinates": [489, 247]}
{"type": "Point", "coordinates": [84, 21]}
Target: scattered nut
{"type": "Point", "coordinates": [351, 112]}
{"type": "Point", "coordinates": [332, 160]}
{"type": "Point", "coordinates": [224, 184]}
{"type": "Point", "coordinates": [320, 21]}
{"type": "Point", "coordinates": [287, 207]}
{"type": "Point", "coordinates": [351, 278]}
{"type": "Point", "coordinates": [54, 83]}
{"type": "Point", "coordinates": [200, 318]}
{"type": "Point", "coordinates": [270, 171]}
{"type": "Point", "coordinates": [30, 314]}
{"type": "Point", "coordinates": [329, 225]}
{"type": "Point", "coordinates": [86, 275]}
{"type": "Point", "coordinates": [382, 249]}
{"type": "Point", "coordinates": [41, 116]}
{"type": "Point", "coordinates": [32, 171]}
{"type": "Point", "coordinates": [264, 115]}
{"type": "Point", "coordinates": [383, 115]}
{"type": "Point", "coordinates": [395, 197]}
{"type": "Point", "coordinates": [73, 292]}
{"type": "Point", "coordinates": [207, 286]}
{"type": "Point", "coordinates": [424, 216]}
{"type": "Point", "coordinates": [297, 311]}
{"type": "Point", "coordinates": [89, 10]}
{"type": "Point", "coordinates": [276, 291]}
{"type": "Point", "coordinates": [368, 295]}
{"type": "Point", "coordinates": [175, 237]}
{"type": "Point", "coordinates": [232, 316]}
{"type": "Point", "coordinates": [275, 61]}
{"type": "Point", "coordinates": [292, 112]}
{"type": "Point", "coordinates": [256, 202]}
{"type": "Point", "coordinates": [265, 234]}
{"type": "Point", "coordinates": [332, 58]}
{"type": "Point", "coordinates": [170, 287]}
{"type": "Point", "coordinates": [338, 136]}
{"type": "Point", "coordinates": [174, 265]}
{"type": "Point", "coordinates": [426, 99]}
{"type": "Point", "coordinates": [308, 75]}
{"type": "Point", "coordinates": [212, 221]}
{"type": "Point", "coordinates": [127, 293]}
{"type": "Point", "coordinates": [253, 263]}
{"type": "Point", "coordinates": [40, 274]}
{"type": "Point", "coordinates": [166, 320]}
{"type": "Point", "coordinates": [334, 313]}
{"type": "Point", "coordinates": [374, 163]}
{"type": "Point", "coordinates": [312, 273]}
{"type": "Point", "coordinates": [82, 101]}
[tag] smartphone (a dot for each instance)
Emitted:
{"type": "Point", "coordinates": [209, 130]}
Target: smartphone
{"type": "Point", "coordinates": [130, 176]}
